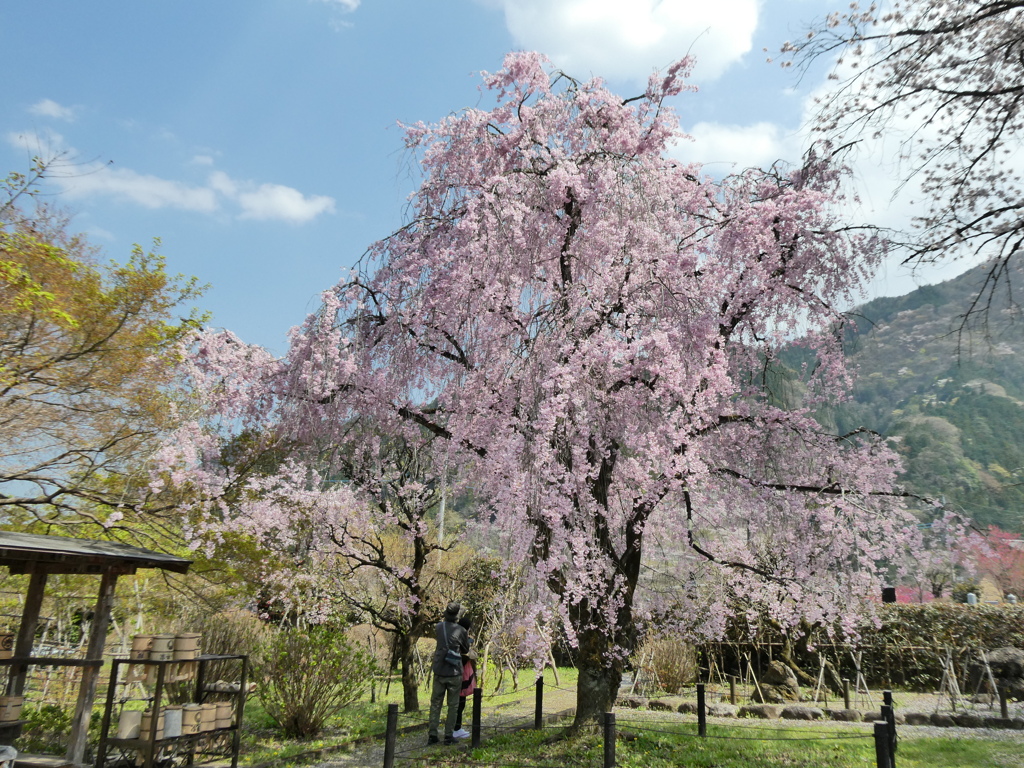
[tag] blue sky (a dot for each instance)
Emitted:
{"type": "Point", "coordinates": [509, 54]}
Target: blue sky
{"type": "Point", "coordinates": [258, 139]}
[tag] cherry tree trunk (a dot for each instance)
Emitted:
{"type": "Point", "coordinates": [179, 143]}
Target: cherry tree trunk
{"type": "Point", "coordinates": [410, 682]}
{"type": "Point", "coordinates": [598, 683]}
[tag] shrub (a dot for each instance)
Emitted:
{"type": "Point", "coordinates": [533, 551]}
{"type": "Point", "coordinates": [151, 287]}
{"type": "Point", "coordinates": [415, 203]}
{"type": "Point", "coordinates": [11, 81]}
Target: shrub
{"type": "Point", "coordinates": [666, 664]}
{"type": "Point", "coordinates": [46, 731]}
{"type": "Point", "coordinates": [308, 675]}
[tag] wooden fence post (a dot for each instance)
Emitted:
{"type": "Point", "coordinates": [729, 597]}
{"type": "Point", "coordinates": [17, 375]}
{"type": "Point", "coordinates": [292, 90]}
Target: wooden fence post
{"type": "Point", "coordinates": [702, 715]}
{"type": "Point", "coordinates": [478, 698]}
{"type": "Point", "coordinates": [883, 759]}
{"type": "Point", "coordinates": [846, 693]}
{"type": "Point", "coordinates": [889, 715]}
{"type": "Point", "coordinates": [609, 740]}
{"type": "Point", "coordinates": [390, 736]}
{"type": "Point", "coordinates": [538, 710]}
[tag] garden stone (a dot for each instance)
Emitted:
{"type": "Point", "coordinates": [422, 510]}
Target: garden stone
{"type": "Point", "coordinates": [666, 704]}
{"type": "Point", "coordinates": [942, 720]}
{"type": "Point", "coordinates": [900, 717]}
{"type": "Point", "coordinates": [761, 711]}
{"type": "Point", "coordinates": [845, 715]}
{"type": "Point", "coordinates": [778, 685]}
{"type": "Point", "coordinates": [999, 722]}
{"type": "Point", "coordinates": [722, 710]}
{"type": "Point", "coordinates": [802, 713]}
{"type": "Point", "coordinates": [1007, 665]}
{"type": "Point", "coordinates": [917, 718]}
{"type": "Point", "coordinates": [632, 702]}
{"type": "Point", "coordinates": [969, 720]}
{"type": "Point", "coordinates": [687, 708]}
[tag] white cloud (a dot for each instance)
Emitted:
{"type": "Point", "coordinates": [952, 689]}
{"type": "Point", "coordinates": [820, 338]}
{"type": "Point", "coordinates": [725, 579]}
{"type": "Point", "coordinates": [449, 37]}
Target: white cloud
{"type": "Point", "coordinates": [346, 5]}
{"type": "Point", "coordinates": [735, 147]}
{"type": "Point", "coordinates": [141, 189]}
{"type": "Point", "coordinates": [628, 38]}
{"type": "Point", "coordinates": [270, 201]}
{"type": "Point", "coordinates": [50, 108]}
{"type": "Point", "coordinates": [253, 200]}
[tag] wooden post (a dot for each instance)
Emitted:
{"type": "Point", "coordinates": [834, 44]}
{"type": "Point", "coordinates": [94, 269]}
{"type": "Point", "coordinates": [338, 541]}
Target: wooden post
{"type": "Point", "coordinates": [889, 715]}
{"type": "Point", "coordinates": [702, 714]}
{"type": "Point", "coordinates": [90, 674]}
{"type": "Point", "coordinates": [478, 700]}
{"type": "Point", "coordinates": [609, 740]}
{"type": "Point", "coordinates": [1004, 709]}
{"type": "Point", "coordinates": [391, 736]}
{"type": "Point", "coordinates": [27, 631]}
{"type": "Point", "coordinates": [846, 693]}
{"type": "Point", "coordinates": [538, 709]}
{"type": "Point", "coordinates": [732, 690]}
{"type": "Point", "coordinates": [882, 756]}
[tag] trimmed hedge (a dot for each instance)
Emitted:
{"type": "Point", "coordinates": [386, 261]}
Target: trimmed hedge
{"type": "Point", "coordinates": [906, 651]}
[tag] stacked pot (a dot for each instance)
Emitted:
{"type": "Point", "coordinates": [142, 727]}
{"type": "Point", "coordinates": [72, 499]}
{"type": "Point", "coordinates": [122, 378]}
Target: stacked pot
{"type": "Point", "coordinates": [183, 648]}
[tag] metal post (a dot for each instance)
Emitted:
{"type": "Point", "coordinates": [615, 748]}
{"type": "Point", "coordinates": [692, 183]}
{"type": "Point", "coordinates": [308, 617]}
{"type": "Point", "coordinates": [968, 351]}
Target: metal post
{"type": "Point", "coordinates": [478, 699]}
{"type": "Point", "coordinates": [391, 736]}
{"type": "Point", "coordinates": [732, 690]}
{"type": "Point", "coordinates": [702, 715]}
{"type": "Point", "coordinates": [538, 711]}
{"type": "Point", "coordinates": [609, 740]}
{"type": "Point", "coordinates": [882, 757]}
{"type": "Point", "coordinates": [846, 693]}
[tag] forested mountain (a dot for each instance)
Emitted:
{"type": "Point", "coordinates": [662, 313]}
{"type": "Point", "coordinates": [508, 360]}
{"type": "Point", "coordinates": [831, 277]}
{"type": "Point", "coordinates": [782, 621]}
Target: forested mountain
{"type": "Point", "coordinates": [951, 393]}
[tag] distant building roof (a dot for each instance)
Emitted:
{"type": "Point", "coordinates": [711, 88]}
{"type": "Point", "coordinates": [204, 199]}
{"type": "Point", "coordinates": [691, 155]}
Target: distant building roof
{"type": "Point", "coordinates": [24, 552]}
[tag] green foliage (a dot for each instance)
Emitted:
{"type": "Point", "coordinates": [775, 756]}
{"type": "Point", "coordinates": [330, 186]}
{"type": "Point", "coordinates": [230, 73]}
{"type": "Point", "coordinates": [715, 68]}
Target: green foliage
{"type": "Point", "coordinates": [306, 676]}
{"type": "Point", "coordinates": [46, 731]}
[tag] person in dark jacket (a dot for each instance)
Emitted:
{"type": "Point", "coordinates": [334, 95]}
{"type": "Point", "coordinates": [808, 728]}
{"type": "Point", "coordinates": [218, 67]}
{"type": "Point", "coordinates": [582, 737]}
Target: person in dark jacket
{"type": "Point", "coordinates": [452, 645]}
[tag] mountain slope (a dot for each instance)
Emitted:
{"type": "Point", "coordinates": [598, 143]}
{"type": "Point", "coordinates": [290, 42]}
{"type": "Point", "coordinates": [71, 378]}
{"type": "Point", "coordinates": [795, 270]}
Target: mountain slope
{"type": "Point", "coordinates": [952, 394]}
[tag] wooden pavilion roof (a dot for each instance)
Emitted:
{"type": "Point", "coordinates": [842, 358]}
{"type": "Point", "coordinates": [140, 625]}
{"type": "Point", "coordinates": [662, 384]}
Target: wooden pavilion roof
{"type": "Point", "coordinates": [27, 552]}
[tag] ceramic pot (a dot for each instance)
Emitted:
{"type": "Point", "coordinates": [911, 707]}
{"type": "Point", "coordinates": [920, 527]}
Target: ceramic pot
{"type": "Point", "coordinates": [172, 721]}
{"type": "Point", "coordinates": [188, 641]}
{"type": "Point", "coordinates": [129, 724]}
{"type": "Point", "coordinates": [191, 718]}
{"type": "Point", "coordinates": [10, 708]}
{"type": "Point", "coordinates": [6, 645]}
{"type": "Point", "coordinates": [163, 644]}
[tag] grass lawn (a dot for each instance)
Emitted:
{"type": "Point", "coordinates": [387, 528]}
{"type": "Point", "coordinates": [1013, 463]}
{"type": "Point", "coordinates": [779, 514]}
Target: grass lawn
{"type": "Point", "coordinates": [732, 747]}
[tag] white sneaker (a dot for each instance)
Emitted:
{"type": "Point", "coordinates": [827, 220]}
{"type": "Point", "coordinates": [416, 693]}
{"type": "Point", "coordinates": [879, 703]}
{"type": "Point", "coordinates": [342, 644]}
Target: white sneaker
{"type": "Point", "coordinates": [462, 733]}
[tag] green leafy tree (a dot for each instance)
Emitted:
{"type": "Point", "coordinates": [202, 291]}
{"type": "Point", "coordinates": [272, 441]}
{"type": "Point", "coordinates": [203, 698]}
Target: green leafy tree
{"type": "Point", "coordinates": [86, 351]}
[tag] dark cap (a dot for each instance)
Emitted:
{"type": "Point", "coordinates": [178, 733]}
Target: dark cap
{"type": "Point", "coordinates": [452, 611]}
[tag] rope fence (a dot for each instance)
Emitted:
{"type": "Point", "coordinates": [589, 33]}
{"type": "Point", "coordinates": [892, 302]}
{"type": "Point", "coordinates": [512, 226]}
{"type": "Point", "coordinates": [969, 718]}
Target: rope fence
{"type": "Point", "coordinates": [883, 733]}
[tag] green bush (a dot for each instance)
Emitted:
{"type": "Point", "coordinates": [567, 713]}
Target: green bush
{"type": "Point", "coordinates": [47, 730]}
{"type": "Point", "coordinates": [307, 676]}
